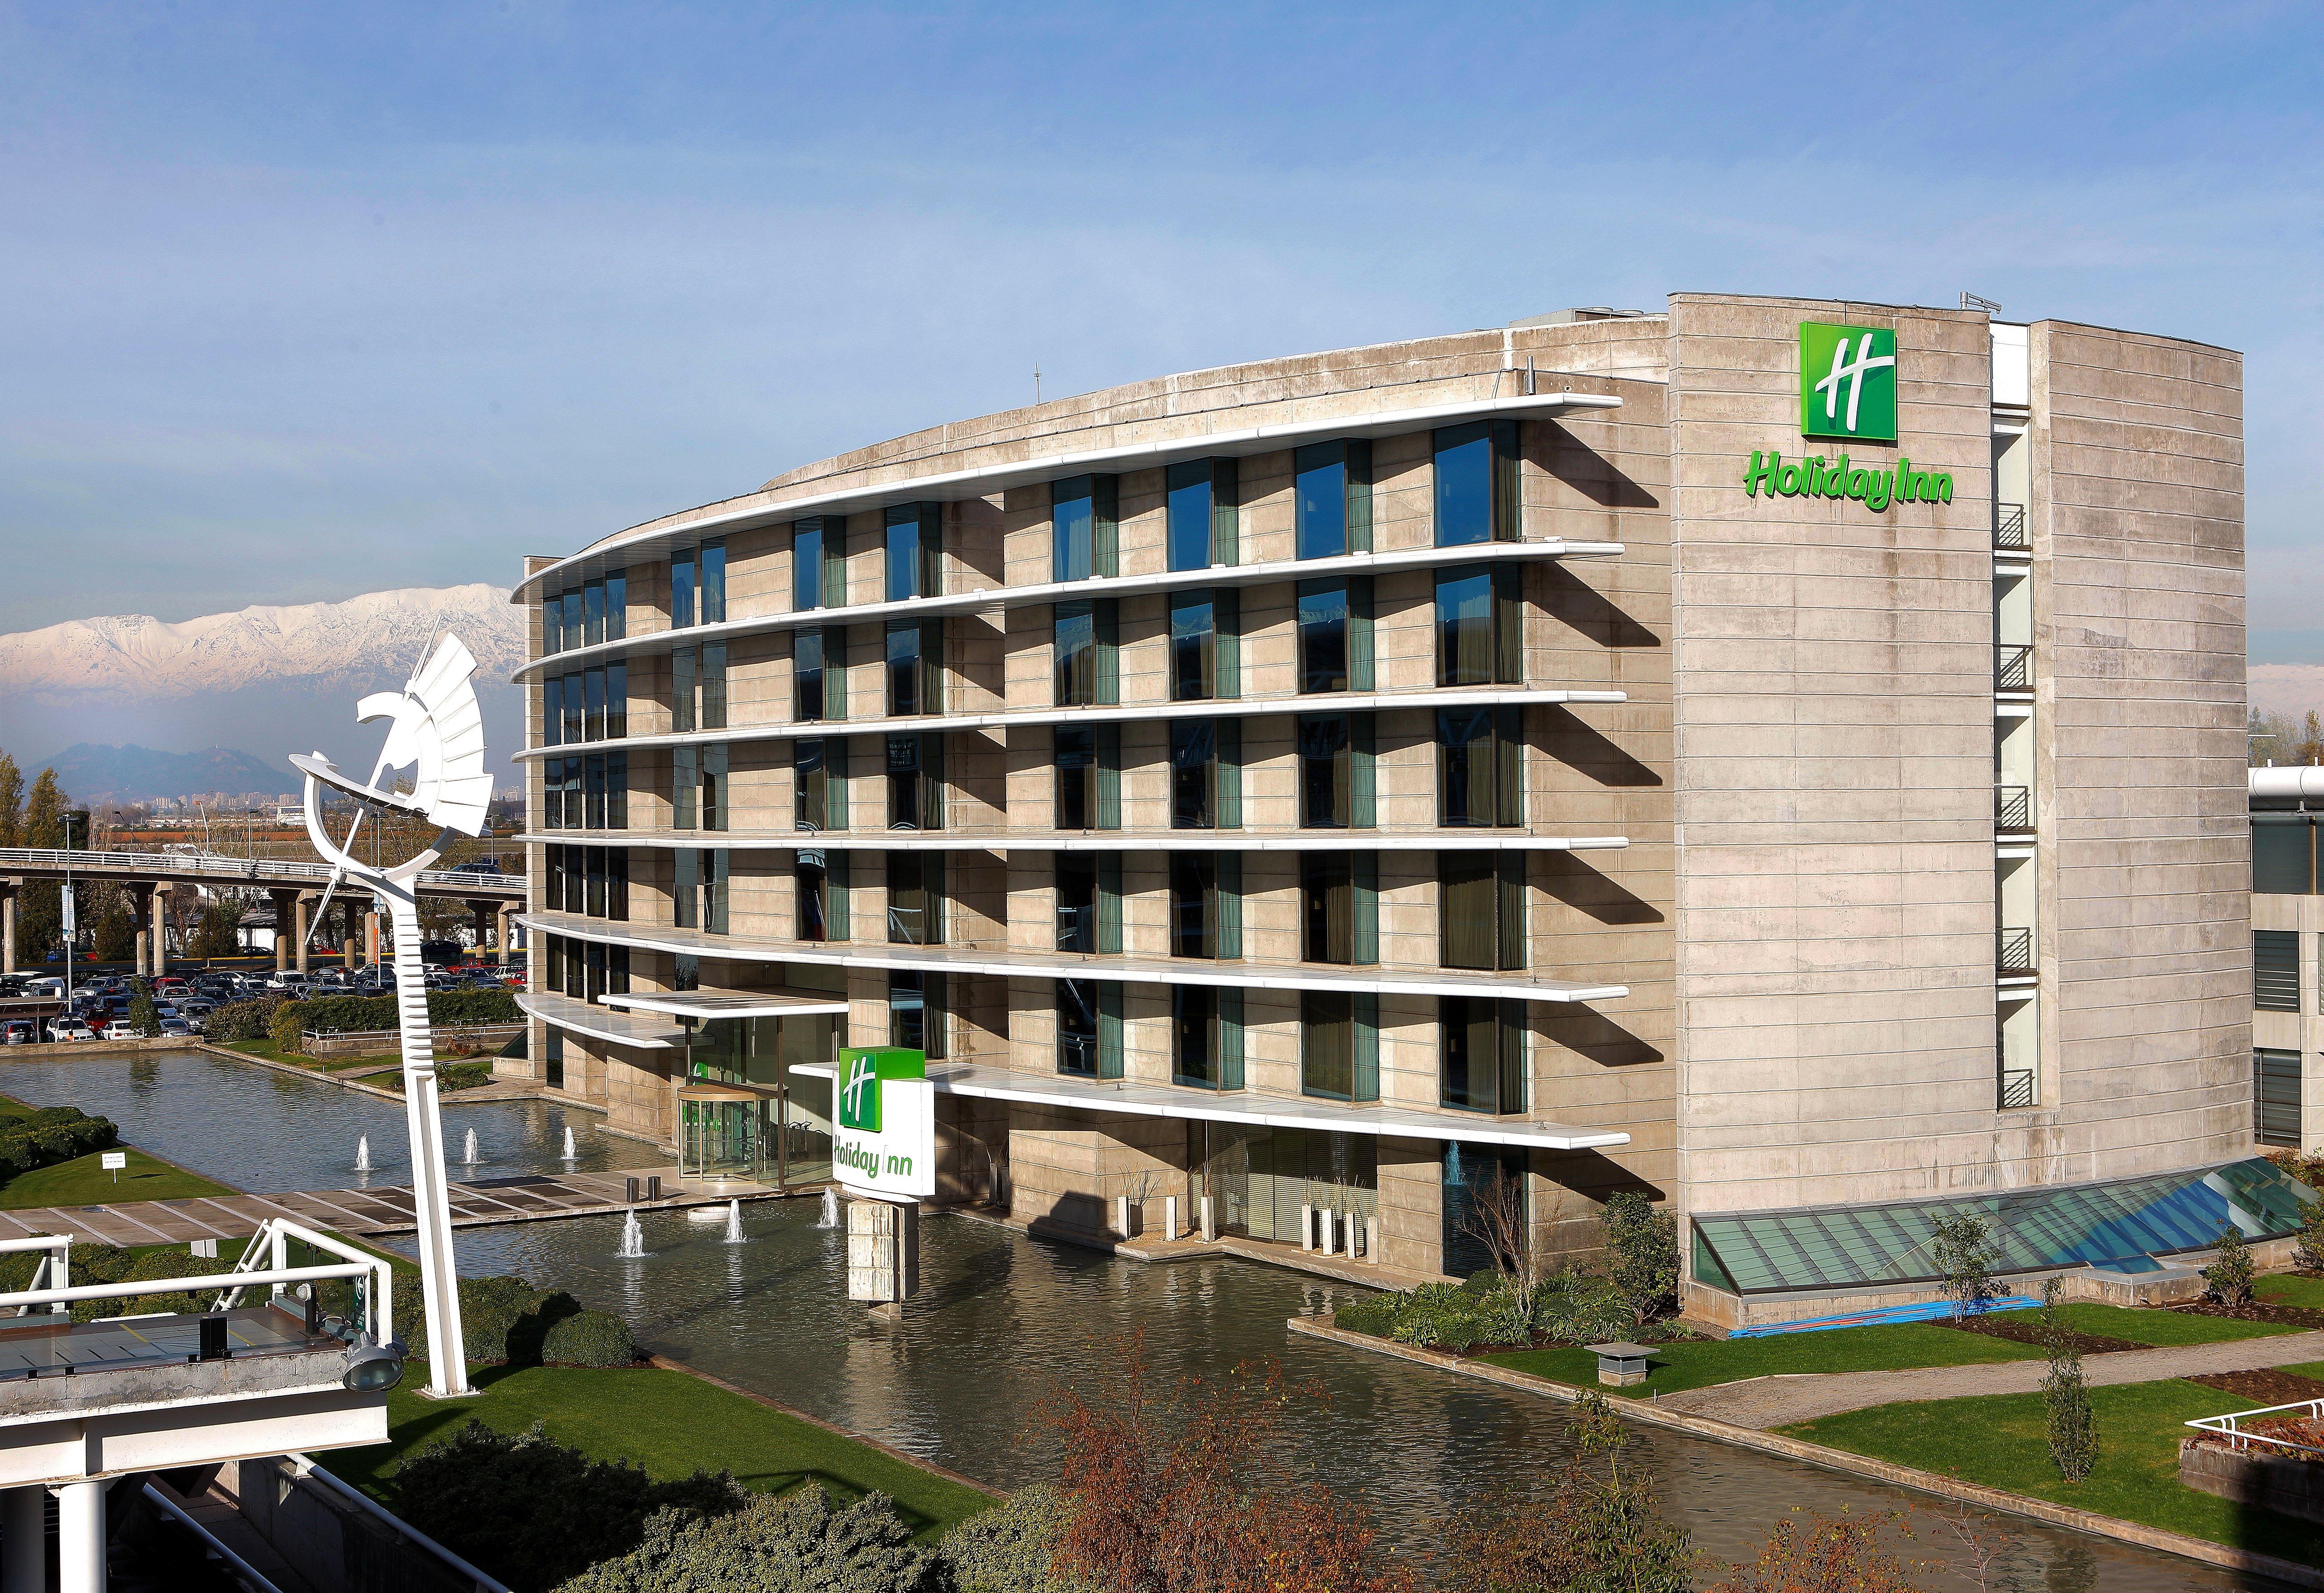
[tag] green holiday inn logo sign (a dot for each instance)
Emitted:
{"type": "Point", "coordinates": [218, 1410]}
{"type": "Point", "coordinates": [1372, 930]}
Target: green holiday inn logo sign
{"type": "Point", "coordinates": [1847, 393]}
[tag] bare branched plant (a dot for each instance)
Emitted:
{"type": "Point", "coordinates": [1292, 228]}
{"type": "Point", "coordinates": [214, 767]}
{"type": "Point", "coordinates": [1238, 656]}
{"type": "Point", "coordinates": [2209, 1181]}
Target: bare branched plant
{"type": "Point", "coordinates": [1497, 1218]}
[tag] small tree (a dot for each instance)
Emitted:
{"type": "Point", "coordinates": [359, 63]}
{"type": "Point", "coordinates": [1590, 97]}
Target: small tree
{"type": "Point", "coordinates": [141, 1015]}
{"type": "Point", "coordinates": [217, 934]}
{"type": "Point", "coordinates": [2308, 1246]}
{"type": "Point", "coordinates": [2071, 1428]}
{"type": "Point", "coordinates": [1963, 1249]}
{"type": "Point", "coordinates": [1641, 1253]}
{"type": "Point", "coordinates": [2228, 1279]}
{"type": "Point", "coordinates": [1819, 1554]}
{"type": "Point", "coordinates": [114, 935]}
{"type": "Point", "coordinates": [1498, 1219]}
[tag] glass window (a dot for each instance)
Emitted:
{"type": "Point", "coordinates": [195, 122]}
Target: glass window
{"type": "Point", "coordinates": [593, 612]}
{"type": "Point", "coordinates": [1479, 766]}
{"type": "Point", "coordinates": [1326, 772]}
{"type": "Point", "coordinates": [1476, 484]}
{"type": "Point", "coordinates": [570, 606]}
{"type": "Point", "coordinates": [1193, 905]}
{"type": "Point", "coordinates": [1206, 1038]}
{"type": "Point", "coordinates": [807, 674]}
{"type": "Point", "coordinates": [1339, 1045]}
{"type": "Point", "coordinates": [552, 711]}
{"type": "Point", "coordinates": [1480, 909]}
{"type": "Point", "coordinates": [1202, 529]}
{"type": "Point", "coordinates": [807, 555]}
{"type": "Point", "coordinates": [2276, 970]}
{"type": "Point", "coordinates": [1087, 653]}
{"type": "Point", "coordinates": [617, 604]}
{"type": "Point", "coordinates": [1479, 632]}
{"type": "Point", "coordinates": [916, 1012]}
{"type": "Point", "coordinates": [1082, 528]}
{"type": "Point", "coordinates": [698, 900]}
{"type": "Point", "coordinates": [1194, 774]}
{"type": "Point", "coordinates": [821, 879]}
{"type": "Point", "coordinates": [681, 590]}
{"type": "Point", "coordinates": [712, 575]}
{"type": "Point", "coordinates": [593, 785]}
{"type": "Point", "coordinates": [577, 719]}
{"type": "Point", "coordinates": [552, 624]}
{"type": "Point", "coordinates": [1482, 1054]}
{"type": "Point", "coordinates": [1335, 635]}
{"type": "Point", "coordinates": [617, 884]}
{"type": "Point", "coordinates": [592, 698]}
{"type": "Point", "coordinates": [617, 790]}
{"type": "Point", "coordinates": [1088, 761]}
{"type": "Point", "coordinates": [617, 701]}
{"type": "Point", "coordinates": [1194, 648]}
{"type": "Point", "coordinates": [915, 650]}
{"type": "Point", "coordinates": [2275, 1096]}
{"type": "Point", "coordinates": [2281, 864]}
{"type": "Point", "coordinates": [684, 686]}
{"type": "Point", "coordinates": [1077, 1027]}
{"type": "Point", "coordinates": [819, 784]}
{"type": "Point", "coordinates": [1339, 908]}
{"type": "Point", "coordinates": [1076, 881]}
{"type": "Point", "coordinates": [713, 686]}
{"type": "Point", "coordinates": [1333, 499]}
{"type": "Point", "coordinates": [915, 551]}
{"type": "Point", "coordinates": [916, 782]}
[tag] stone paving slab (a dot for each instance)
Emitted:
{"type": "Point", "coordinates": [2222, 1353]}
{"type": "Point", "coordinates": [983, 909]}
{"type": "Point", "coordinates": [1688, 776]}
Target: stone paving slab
{"type": "Point", "coordinates": [1765, 1402]}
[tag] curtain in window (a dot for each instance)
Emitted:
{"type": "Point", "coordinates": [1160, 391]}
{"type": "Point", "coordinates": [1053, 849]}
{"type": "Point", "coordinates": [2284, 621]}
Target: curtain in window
{"type": "Point", "coordinates": [617, 701]}
{"type": "Point", "coordinates": [1230, 906]}
{"type": "Point", "coordinates": [1230, 1038]}
{"type": "Point", "coordinates": [1226, 498]}
{"type": "Point", "coordinates": [1106, 623]}
{"type": "Point", "coordinates": [1509, 920]}
{"type": "Point", "coordinates": [838, 910]}
{"type": "Point", "coordinates": [1108, 906]}
{"type": "Point", "coordinates": [1108, 776]}
{"type": "Point", "coordinates": [834, 672]}
{"type": "Point", "coordinates": [1076, 654]}
{"type": "Point", "coordinates": [1109, 1028]}
{"type": "Point", "coordinates": [685, 785]}
{"type": "Point", "coordinates": [1468, 923]}
{"type": "Point", "coordinates": [1363, 775]}
{"type": "Point", "coordinates": [685, 889]}
{"type": "Point", "coordinates": [1327, 1044]}
{"type": "Point", "coordinates": [1508, 626]}
{"type": "Point", "coordinates": [1464, 626]}
{"type": "Point", "coordinates": [1363, 872]}
{"type": "Point", "coordinates": [714, 687]}
{"type": "Point", "coordinates": [1364, 1045]}
{"type": "Point", "coordinates": [1359, 633]}
{"type": "Point", "coordinates": [1229, 774]}
{"type": "Point", "coordinates": [1226, 616]}
{"type": "Point", "coordinates": [1325, 776]}
{"type": "Point", "coordinates": [1327, 907]}
{"type": "Point", "coordinates": [1194, 1035]}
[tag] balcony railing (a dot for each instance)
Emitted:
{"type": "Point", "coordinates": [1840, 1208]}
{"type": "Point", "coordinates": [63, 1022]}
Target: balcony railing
{"type": "Point", "coordinates": [2014, 951]}
{"type": "Point", "coordinates": [2009, 532]}
{"type": "Point", "coordinates": [2013, 668]}
{"type": "Point", "coordinates": [2016, 1088]}
{"type": "Point", "coordinates": [2013, 809]}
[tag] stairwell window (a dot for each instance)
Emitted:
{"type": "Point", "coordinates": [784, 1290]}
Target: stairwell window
{"type": "Point", "coordinates": [1339, 908]}
{"type": "Point", "coordinates": [1476, 484]}
{"type": "Point", "coordinates": [819, 784]}
{"type": "Point", "coordinates": [916, 782]}
{"type": "Point", "coordinates": [819, 880]}
{"type": "Point", "coordinates": [1481, 910]}
{"type": "Point", "coordinates": [1481, 1054]}
{"type": "Point", "coordinates": [915, 551]}
{"type": "Point", "coordinates": [2276, 970]}
{"type": "Point", "coordinates": [916, 898]}
{"type": "Point", "coordinates": [1479, 766]}
{"type": "Point", "coordinates": [1088, 653]}
{"type": "Point", "coordinates": [1335, 635]}
{"type": "Point", "coordinates": [1088, 762]}
{"type": "Point", "coordinates": [1338, 1045]}
{"type": "Point", "coordinates": [1206, 1038]}
{"type": "Point", "coordinates": [1205, 774]}
{"type": "Point", "coordinates": [1337, 772]}
{"type": "Point", "coordinates": [1333, 499]}
{"type": "Point", "coordinates": [1202, 529]}
{"type": "Point", "coordinates": [1084, 534]}
{"type": "Point", "coordinates": [1479, 634]}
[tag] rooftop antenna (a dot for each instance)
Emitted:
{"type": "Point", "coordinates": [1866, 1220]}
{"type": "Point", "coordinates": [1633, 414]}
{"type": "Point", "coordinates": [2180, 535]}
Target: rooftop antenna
{"type": "Point", "coordinates": [1037, 382]}
{"type": "Point", "coordinates": [1971, 302]}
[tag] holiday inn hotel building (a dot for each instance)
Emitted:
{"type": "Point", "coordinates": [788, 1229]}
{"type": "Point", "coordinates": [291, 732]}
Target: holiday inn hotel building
{"type": "Point", "coordinates": [1785, 756]}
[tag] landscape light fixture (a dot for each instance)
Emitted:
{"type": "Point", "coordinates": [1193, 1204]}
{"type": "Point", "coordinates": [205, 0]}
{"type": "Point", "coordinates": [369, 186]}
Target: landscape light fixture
{"type": "Point", "coordinates": [373, 1368]}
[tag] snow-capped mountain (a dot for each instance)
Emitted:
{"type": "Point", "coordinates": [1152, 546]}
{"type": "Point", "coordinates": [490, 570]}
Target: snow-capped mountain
{"type": "Point", "coordinates": [360, 641]}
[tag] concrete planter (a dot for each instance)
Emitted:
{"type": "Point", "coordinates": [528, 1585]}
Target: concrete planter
{"type": "Point", "coordinates": [2270, 1478]}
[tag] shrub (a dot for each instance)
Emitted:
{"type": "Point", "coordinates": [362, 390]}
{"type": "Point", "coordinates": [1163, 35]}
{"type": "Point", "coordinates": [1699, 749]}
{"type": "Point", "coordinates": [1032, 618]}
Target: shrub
{"type": "Point", "coordinates": [534, 1512]}
{"type": "Point", "coordinates": [501, 1319]}
{"type": "Point", "coordinates": [2071, 1429]}
{"type": "Point", "coordinates": [142, 1017]}
{"type": "Point", "coordinates": [1641, 1254]}
{"type": "Point", "coordinates": [2228, 1279]}
{"type": "Point", "coordinates": [589, 1339]}
{"type": "Point", "coordinates": [243, 1020]}
{"type": "Point", "coordinates": [2308, 1245]}
{"type": "Point", "coordinates": [794, 1543]}
{"type": "Point", "coordinates": [1011, 1549]}
{"type": "Point", "coordinates": [1963, 1249]}
{"type": "Point", "coordinates": [53, 1134]}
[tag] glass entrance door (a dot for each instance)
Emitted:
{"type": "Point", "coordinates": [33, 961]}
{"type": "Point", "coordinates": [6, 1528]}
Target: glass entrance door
{"type": "Point", "coordinates": [726, 1138]}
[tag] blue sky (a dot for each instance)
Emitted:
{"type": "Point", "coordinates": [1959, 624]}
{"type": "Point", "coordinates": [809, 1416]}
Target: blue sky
{"type": "Point", "coordinates": [305, 301]}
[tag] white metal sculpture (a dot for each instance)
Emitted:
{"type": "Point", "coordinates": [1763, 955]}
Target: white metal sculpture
{"type": "Point", "coordinates": [435, 727]}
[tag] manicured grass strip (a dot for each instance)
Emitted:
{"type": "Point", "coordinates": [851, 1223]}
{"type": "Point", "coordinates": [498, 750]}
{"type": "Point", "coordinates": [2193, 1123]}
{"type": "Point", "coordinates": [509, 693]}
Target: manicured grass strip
{"type": "Point", "coordinates": [84, 1181]}
{"type": "Point", "coordinates": [2143, 1325]}
{"type": "Point", "coordinates": [2288, 1290]}
{"type": "Point", "coordinates": [1998, 1439]}
{"type": "Point", "coordinates": [670, 1423]}
{"type": "Point", "coordinates": [1697, 1363]}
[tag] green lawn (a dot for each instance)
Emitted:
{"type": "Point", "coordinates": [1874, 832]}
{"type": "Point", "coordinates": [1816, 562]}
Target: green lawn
{"type": "Point", "coordinates": [2288, 1290]}
{"type": "Point", "coordinates": [2141, 1325]}
{"type": "Point", "coordinates": [1697, 1363]}
{"type": "Point", "coordinates": [1998, 1439]}
{"type": "Point", "coordinates": [670, 1423]}
{"type": "Point", "coordinates": [84, 1181]}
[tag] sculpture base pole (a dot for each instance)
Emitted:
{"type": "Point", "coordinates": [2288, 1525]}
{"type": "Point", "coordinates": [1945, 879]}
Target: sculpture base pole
{"type": "Point", "coordinates": [439, 1278]}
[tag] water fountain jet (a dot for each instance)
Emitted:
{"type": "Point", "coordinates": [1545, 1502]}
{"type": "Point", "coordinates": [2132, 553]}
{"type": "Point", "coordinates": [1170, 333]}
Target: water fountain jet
{"type": "Point", "coordinates": [734, 1222]}
{"type": "Point", "coordinates": [363, 1153]}
{"type": "Point", "coordinates": [830, 1209]}
{"type": "Point", "coordinates": [470, 1159]}
{"type": "Point", "coordinates": [570, 1153]}
{"type": "Point", "coordinates": [633, 1237]}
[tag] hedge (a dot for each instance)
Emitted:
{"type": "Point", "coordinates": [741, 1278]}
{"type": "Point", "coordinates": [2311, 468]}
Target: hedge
{"type": "Point", "coordinates": [589, 1339]}
{"type": "Point", "coordinates": [346, 1014]}
{"type": "Point", "coordinates": [53, 1134]}
{"type": "Point", "coordinates": [241, 1021]}
{"type": "Point", "coordinates": [501, 1319]}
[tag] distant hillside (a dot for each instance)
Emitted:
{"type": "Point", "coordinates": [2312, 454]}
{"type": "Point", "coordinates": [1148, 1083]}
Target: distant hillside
{"type": "Point", "coordinates": [138, 774]}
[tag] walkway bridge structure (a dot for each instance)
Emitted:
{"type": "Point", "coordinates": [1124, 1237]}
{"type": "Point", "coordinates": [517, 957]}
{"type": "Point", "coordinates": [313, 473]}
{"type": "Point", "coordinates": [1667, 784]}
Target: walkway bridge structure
{"type": "Point", "coordinates": [295, 886]}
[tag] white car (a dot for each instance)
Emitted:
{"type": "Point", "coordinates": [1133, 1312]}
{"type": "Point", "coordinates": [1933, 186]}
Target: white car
{"type": "Point", "coordinates": [177, 1029]}
{"type": "Point", "coordinates": [120, 1028]}
{"type": "Point", "coordinates": [69, 1028]}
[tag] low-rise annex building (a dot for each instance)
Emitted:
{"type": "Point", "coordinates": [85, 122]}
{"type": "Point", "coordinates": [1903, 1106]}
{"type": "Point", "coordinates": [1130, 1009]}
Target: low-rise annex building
{"type": "Point", "coordinates": [2287, 958]}
{"type": "Point", "coordinates": [1781, 755]}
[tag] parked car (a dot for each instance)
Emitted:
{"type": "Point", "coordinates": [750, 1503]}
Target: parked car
{"type": "Point", "coordinates": [177, 1029]}
{"type": "Point", "coordinates": [69, 1028]}
{"type": "Point", "coordinates": [19, 1031]}
{"type": "Point", "coordinates": [120, 1028]}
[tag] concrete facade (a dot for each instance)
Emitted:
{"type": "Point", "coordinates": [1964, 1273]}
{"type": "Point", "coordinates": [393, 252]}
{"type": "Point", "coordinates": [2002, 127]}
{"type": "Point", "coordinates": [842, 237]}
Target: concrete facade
{"type": "Point", "coordinates": [1764, 862]}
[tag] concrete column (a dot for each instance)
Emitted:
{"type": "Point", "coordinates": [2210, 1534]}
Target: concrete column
{"type": "Point", "coordinates": [8, 925]}
{"type": "Point", "coordinates": [482, 913]}
{"type": "Point", "coordinates": [306, 904]}
{"type": "Point", "coordinates": [24, 1541]}
{"type": "Point", "coordinates": [284, 911]}
{"type": "Point", "coordinates": [157, 930]}
{"type": "Point", "coordinates": [80, 1538]}
{"type": "Point", "coordinates": [141, 911]}
{"type": "Point", "coordinates": [371, 938]}
{"type": "Point", "coordinates": [500, 928]}
{"type": "Point", "coordinates": [347, 936]}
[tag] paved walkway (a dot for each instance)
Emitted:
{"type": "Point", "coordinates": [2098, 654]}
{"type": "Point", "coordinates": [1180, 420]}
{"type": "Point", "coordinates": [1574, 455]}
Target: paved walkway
{"type": "Point", "coordinates": [1777, 1402]}
{"type": "Point", "coordinates": [382, 1209]}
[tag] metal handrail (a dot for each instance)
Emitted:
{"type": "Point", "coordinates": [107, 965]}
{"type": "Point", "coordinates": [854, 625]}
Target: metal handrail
{"type": "Point", "coordinates": [2230, 1426]}
{"type": "Point", "coordinates": [2014, 951]}
{"type": "Point", "coordinates": [2009, 531]}
{"type": "Point", "coordinates": [2012, 667]}
{"type": "Point", "coordinates": [211, 1541]}
{"type": "Point", "coordinates": [2016, 1088]}
{"type": "Point", "coordinates": [306, 1467]}
{"type": "Point", "coordinates": [2013, 807]}
{"type": "Point", "coordinates": [213, 865]}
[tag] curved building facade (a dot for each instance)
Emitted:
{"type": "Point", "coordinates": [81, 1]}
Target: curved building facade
{"type": "Point", "coordinates": [1612, 752]}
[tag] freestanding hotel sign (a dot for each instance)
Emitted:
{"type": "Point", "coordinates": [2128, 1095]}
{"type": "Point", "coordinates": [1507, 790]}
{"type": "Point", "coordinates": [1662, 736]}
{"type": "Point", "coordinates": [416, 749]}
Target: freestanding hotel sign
{"type": "Point", "coordinates": [883, 1143]}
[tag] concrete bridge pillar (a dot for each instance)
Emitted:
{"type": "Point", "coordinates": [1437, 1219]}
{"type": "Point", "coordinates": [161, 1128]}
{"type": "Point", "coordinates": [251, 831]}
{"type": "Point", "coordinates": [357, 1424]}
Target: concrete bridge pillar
{"type": "Point", "coordinates": [8, 889]}
{"type": "Point", "coordinates": [307, 900]}
{"type": "Point", "coordinates": [481, 912]}
{"type": "Point", "coordinates": [285, 910]}
{"type": "Point", "coordinates": [141, 914]}
{"type": "Point", "coordinates": [347, 932]}
{"type": "Point", "coordinates": [500, 928]}
{"type": "Point", "coordinates": [370, 937]}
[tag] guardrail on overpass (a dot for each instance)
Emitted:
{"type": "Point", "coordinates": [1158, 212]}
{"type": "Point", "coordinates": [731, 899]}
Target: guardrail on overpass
{"type": "Point", "coordinates": [235, 870]}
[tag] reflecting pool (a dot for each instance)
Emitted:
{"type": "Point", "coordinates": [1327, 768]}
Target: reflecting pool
{"type": "Point", "coordinates": [264, 1131]}
{"type": "Point", "coordinates": [1000, 1317]}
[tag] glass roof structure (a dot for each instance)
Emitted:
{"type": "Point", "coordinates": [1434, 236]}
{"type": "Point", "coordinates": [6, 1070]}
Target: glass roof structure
{"type": "Point", "coordinates": [2121, 1225]}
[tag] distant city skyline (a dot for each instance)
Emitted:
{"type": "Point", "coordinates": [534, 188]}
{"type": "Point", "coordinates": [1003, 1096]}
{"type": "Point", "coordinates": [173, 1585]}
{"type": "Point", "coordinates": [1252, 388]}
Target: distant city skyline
{"type": "Point", "coordinates": [316, 303]}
